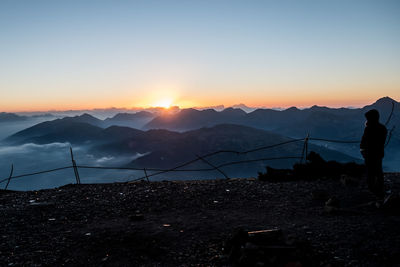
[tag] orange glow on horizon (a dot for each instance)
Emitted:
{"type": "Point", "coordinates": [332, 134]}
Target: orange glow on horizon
{"type": "Point", "coordinates": [201, 102]}
{"type": "Point", "coordinates": [163, 103]}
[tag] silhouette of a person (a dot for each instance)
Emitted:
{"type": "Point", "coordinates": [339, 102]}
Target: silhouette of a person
{"type": "Point", "coordinates": [372, 149]}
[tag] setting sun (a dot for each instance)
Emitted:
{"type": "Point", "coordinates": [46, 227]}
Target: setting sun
{"type": "Point", "coordinates": [163, 103]}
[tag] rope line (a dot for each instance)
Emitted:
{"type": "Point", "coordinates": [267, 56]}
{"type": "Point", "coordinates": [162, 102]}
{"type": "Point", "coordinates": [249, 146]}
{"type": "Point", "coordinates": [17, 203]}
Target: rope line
{"type": "Point", "coordinates": [138, 169]}
{"type": "Point", "coordinates": [254, 160]}
{"type": "Point", "coordinates": [334, 141]}
{"type": "Point", "coordinates": [36, 173]}
{"type": "Point", "coordinates": [218, 152]}
{"type": "Point", "coordinates": [159, 171]}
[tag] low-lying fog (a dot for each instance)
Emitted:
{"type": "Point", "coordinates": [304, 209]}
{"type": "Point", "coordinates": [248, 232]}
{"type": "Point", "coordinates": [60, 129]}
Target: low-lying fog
{"type": "Point", "coordinates": [29, 158]}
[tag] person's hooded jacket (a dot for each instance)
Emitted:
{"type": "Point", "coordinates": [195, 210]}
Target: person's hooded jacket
{"type": "Point", "coordinates": [374, 137]}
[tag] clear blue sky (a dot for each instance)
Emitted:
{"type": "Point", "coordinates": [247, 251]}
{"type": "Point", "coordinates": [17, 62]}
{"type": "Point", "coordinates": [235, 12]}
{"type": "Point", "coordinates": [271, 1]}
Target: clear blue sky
{"type": "Point", "coordinates": [75, 54]}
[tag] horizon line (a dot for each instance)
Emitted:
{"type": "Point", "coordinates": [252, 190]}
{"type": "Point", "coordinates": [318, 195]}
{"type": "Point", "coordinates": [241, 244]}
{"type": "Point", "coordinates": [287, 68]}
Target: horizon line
{"type": "Point", "coordinates": [220, 106]}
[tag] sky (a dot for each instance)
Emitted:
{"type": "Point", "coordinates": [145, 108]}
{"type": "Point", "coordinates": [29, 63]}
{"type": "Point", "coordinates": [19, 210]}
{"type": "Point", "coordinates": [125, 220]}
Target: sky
{"type": "Point", "coordinates": [99, 54]}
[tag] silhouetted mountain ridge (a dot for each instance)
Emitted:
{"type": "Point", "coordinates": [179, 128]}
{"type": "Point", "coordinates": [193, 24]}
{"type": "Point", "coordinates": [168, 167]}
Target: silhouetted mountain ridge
{"type": "Point", "coordinates": [163, 149]}
{"type": "Point", "coordinates": [11, 117]}
{"type": "Point", "coordinates": [84, 118]}
{"type": "Point", "coordinates": [293, 122]}
{"type": "Point", "coordinates": [56, 131]}
{"type": "Point", "coordinates": [230, 129]}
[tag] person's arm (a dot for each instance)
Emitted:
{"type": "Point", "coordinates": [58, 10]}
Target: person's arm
{"type": "Point", "coordinates": [363, 144]}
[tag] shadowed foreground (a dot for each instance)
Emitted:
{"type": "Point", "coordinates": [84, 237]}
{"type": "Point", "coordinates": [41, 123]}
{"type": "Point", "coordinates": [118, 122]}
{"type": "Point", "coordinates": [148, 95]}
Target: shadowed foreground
{"type": "Point", "coordinates": [188, 222]}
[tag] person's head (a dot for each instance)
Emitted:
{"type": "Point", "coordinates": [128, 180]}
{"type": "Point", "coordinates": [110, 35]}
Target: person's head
{"type": "Point", "coordinates": [372, 115]}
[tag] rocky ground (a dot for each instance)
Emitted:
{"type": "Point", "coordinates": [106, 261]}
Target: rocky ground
{"type": "Point", "coordinates": [190, 223]}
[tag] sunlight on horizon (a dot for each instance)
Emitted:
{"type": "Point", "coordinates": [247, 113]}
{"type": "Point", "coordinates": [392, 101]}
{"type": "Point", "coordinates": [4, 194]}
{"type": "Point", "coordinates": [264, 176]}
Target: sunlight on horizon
{"type": "Point", "coordinates": [163, 103]}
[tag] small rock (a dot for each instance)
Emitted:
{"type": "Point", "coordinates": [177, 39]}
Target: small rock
{"type": "Point", "coordinates": [136, 217]}
{"type": "Point", "coordinates": [250, 246]}
{"type": "Point", "coordinates": [347, 180]}
{"type": "Point", "coordinates": [320, 195]}
{"type": "Point", "coordinates": [330, 209]}
{"type": "Point", "coordinates": [333, 202]}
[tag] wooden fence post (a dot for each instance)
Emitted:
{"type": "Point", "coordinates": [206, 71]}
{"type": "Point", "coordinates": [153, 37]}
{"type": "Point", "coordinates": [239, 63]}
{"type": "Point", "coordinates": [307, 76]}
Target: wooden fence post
{"type": "Point", "coordinates": [306, 146]}
{"type": "Point", "coordinates": [78, 179]}
{"type": "Point", "coordinates": [302, 152]}
{"type": "Point", "coordinates": [145, 173]}
{"type": "Point", "coordinates": [9, 177]}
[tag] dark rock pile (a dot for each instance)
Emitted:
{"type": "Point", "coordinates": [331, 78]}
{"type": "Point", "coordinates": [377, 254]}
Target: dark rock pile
{"type": "Point", "coordinates": [315, 168]}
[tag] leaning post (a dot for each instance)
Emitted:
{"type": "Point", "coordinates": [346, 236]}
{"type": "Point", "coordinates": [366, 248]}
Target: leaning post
{"type": "Point", "coordinates": [9, 177]}
{"type": "Point", "coordinates": [145, 173]}
{"type": "Point", "coordinates": [306, 145]}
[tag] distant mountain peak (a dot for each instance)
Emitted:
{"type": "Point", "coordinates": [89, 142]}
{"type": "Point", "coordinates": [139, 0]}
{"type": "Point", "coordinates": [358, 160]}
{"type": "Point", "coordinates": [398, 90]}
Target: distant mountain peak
{"type": "Point", "coordinates": [189, 111]}
{"type": "Point", "coordinates": [385, 100]}
{"type": "Point", "coordinates": [292, 109]}
{"type": "Point", "coordinates": [129, 116]}
{"type": "Point", "coordinates": [319, 108]}
{"type": "Point", "coordinates": [315, 107]}
{"type": "Point", "coordinates": [85, 116]}
{"type": "Point", "coordinates": [243, 107]}
{"type": "Point", "coordinates": [232, 110]}
{"type": "Point", "coordinates": [384, 103]}
{"type": "Point", "coordinates": [5, 116]}
{"type": "Point", "coordinates": [144, 113]}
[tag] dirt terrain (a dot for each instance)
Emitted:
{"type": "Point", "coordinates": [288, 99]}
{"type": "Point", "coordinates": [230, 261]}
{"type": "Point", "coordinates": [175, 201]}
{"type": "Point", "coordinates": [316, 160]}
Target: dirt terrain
{"type": "Point", "coordinates": [188, 223]}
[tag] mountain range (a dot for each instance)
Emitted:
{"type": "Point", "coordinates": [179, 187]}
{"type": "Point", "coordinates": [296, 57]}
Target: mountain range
{"type": "Point", "coordinates": [165, 149]}
{"type": "Point", "coordinates": [133, 120]}
{"type": "Point", "coordinates": [172, 138]}
{"type": "Point", "coordinates": [316, 121]}
{"type": "Point", "coordinates": [7, 117]}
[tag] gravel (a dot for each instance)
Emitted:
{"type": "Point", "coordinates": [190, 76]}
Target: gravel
{"type": "Point", "coordinates": [187, 223]}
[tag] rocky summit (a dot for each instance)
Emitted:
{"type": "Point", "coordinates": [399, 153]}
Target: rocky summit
{"type": "Point", "coordinates": [236, 222]}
